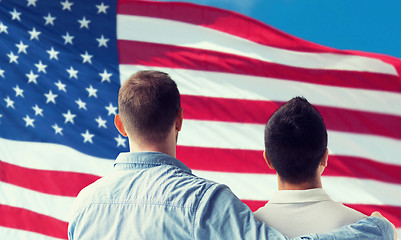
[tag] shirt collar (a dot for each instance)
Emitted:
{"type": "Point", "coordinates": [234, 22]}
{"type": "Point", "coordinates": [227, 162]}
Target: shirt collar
{"type": "Point", "coordinates": [300, 196]}
{"type": "Point", "coordinates": [140, 160]}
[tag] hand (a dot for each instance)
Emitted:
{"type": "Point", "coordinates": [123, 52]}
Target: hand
{"type": "Point", "coordinates": [377, 214]}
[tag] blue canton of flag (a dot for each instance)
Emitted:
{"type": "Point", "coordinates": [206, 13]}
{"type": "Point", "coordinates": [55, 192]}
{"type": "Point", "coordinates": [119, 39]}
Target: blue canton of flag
{"type": "Point", "coordinates": [59, 74]}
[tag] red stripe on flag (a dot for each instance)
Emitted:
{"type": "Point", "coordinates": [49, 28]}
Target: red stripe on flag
{"type": "Point", "coordinates": [240, 161]}
{"type": "Point", "coordinates": [251, 161]}
{"type": "Point", "coordinates": [46, 181]}
{"type": "Point", "coordinates": [390, 212]}
{"type": "Point", "coordinates": [252, 111]}
{"type": "Point", "coordinates": [23, 219]}
{"type": "Point", "coordinates": [224, 160]}
{"type": "Point", "coordinates": [254, 204]}
{"type": "Point", "coordinates": [220, 20]}
{"type": "Point", "coordinates": [162, 55]}
{"type": "Point", "coordinates": [362, 168]}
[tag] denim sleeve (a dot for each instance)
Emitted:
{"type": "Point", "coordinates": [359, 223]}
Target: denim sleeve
{"type": "Point", "coordinates": [221, 215]}
{"type": "Point", "coordinates": [368, 228]}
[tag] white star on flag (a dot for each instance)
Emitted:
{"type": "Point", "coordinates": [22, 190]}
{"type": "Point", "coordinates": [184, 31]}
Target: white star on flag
{"type": "Point", "coordinates": [50, 97]}
{"type": "Point", "coordinates": [21, 47]}
{"type": "Point", "coordinates": [31, 3]}
{"type": "Point", "coordinates": [84, 23]}
{"type": "Point", "coordinates": [34, 34]}
{"type": "Point", "coordinates": [32, 77]}
{"type": "Point", "coordinates": [49, 19]}
{"type": "Point", "coordinates": [87, 136]}
{"type": "Point", "coordinates": [120, 141]}
{"type": "Point", "coordinates": [3, 28]}
{"type": "Point", "coordinates": [102, 41]}
{"type": "Point", "coordinates": [69, 117]}
{"type": "Point", "coordinates": [13, 58]}
{"type": "Point", "coordinates": [41, 67]}
{"type": "Point", "coordinates": [101, 122]}
{"type": "Point", "coordinates": [102, 8]}
{"type": "Point", "coordinates": [73, 73]}
{"type": "Point", "coordinates": [38, 110]}
{"type": "Point", "coordinates": [67, 38]}
{"type": "Point", "coordinates": [52, 53]}
{"type": "Point", "coordinates": [111, 109]}
{"type": "Point", "coordinates": [10, 103]}
{"type": "Point", "coordinates": [29, 121]}
{"type": "Point", "coordinates": [15, 15]}
{"type": "Point", "coordinates": [60, 86]}
{"type": "Point", "coordinates": [105, 76]}
{"type": "Point", "coordinates": [81, 104]}
{"type": "Point", "coordinates": [92, 92]}
{"type": "Point", "coordinates": [67, 5]}
{"type": "Point", "coordinates": [57, 129]}
{"type": "Point", "coordinates": [86, 57]}
{"type": "Point", "coordinates": [18, 91]}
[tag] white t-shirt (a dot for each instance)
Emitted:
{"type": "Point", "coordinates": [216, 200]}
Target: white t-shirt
{"type": "Point", "coordinates": [299, 212]}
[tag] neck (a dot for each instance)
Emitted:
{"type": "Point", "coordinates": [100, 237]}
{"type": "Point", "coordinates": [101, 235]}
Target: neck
{"type": "Point", "coordinates": [168, 146]}
{"type": "Point", "coordinates": [154, 148]}
{"type": "Point", "coordinates": [315, 183]}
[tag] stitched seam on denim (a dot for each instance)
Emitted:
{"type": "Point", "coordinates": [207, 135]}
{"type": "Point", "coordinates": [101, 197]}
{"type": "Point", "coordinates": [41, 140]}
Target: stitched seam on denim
{"type": "Point", "coordinates": [378, 226]}
{"type": "Point", "coordinates": [196, 206]}
{"type": "Point", "coordinates": [140, 203]}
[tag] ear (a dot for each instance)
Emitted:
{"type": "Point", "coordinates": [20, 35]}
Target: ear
{"type": "Point", "coordinates": [269, 164]}
{"type": "Point", "coordinates": [323, 161]}
{"type": "Point", "coordinates": [180, 119]}
{"type": "Point", "coordinates": [325, 158]}
{"type": "Point", "coordinates": [119, 125]}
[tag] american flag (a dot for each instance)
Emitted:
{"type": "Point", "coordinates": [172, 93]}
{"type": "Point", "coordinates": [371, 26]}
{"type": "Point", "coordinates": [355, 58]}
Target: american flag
{"type": "Point", "coordinates": [61, 65]}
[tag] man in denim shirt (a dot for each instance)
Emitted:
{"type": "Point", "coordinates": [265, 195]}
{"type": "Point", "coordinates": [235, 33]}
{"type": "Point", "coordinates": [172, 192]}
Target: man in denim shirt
{"type": "Point", "coordinates": [152, 195]}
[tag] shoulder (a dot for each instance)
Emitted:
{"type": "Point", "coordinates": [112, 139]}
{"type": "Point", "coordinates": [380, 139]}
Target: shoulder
{"type": "Point", "coordinates": [94, 192]}
{"type": "Point", "coordinates": [201, 188]}
{"type": "Point", "coordinates": [335, 213]}
{"type": "Point", "coordinates": [348, 211]}
{"type": "Point", "coordinates": [262, 210]}
{"type": "Point", "coordinates": [83, 198]}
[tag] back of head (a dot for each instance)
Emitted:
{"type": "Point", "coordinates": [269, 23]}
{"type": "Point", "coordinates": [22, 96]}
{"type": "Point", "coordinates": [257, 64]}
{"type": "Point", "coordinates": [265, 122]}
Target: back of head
{"type": "Point", "coordinates": [296, 140]}
{"type": "Point", "coordinates": [148, 104]}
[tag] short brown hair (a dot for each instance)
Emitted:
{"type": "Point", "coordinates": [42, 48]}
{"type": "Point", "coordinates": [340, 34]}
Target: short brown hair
{"type": "Point", "coordinates": [148, 104]}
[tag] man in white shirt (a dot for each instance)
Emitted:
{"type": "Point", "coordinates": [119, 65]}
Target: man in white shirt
{"type": "Point", "coordinates": [296, 147]}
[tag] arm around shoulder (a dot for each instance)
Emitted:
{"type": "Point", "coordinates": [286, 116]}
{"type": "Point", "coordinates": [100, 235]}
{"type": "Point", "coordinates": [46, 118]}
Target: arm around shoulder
{"type": "Point", "coordinates": [222, 215]}
{"type": "Point", "coordinates": [373, 228]}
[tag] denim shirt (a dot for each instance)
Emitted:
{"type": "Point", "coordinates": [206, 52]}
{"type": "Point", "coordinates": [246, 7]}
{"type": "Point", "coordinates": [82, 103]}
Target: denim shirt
{"type": "Point", "coordinates": [151, 195]}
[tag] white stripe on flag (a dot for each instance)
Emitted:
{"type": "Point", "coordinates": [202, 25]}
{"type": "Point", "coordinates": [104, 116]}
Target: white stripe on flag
{"type": "Point", "coordinates": [209, 134]}
{"type": "Point", "coordinates": [49, 156]}
{"type": "Point", "coordinates": [15, 234]}
{"type": "Point", "coordinates": [342, 189]}
{"type": "Point", "coordinates": [235, 86]}
{"type": "Point", "coordinates": [250, 136]}
{"type": "Point", "coordinates": [46, 204]}
{"type": "Point", "coordinates": [245, 186]}
{"type": "Point", "coordinates": [129, 26]}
